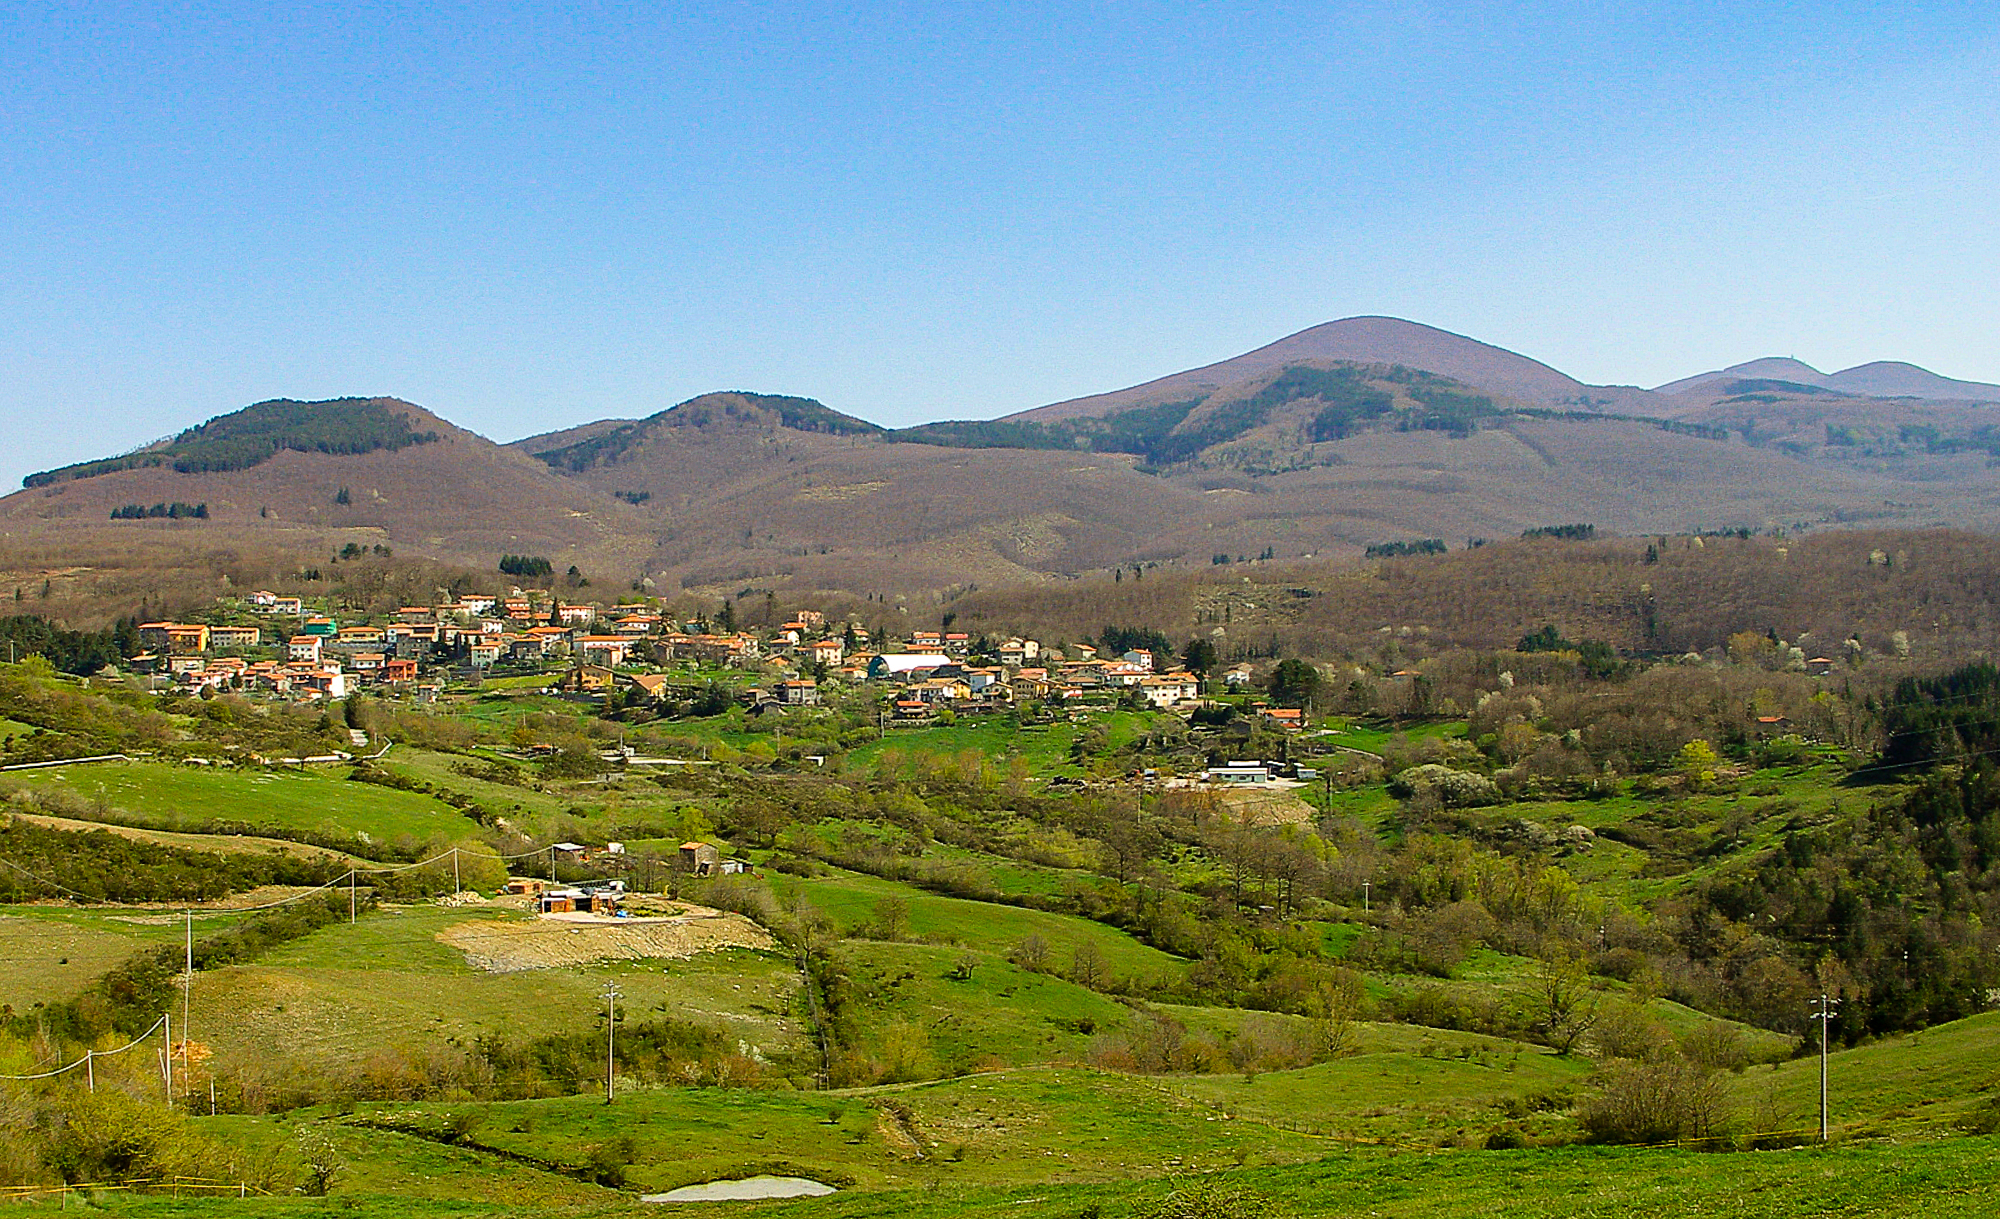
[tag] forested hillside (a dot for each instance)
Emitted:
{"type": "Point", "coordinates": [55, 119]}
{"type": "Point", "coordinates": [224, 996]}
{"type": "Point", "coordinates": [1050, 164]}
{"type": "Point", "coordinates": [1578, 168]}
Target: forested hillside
{"type": "Point", "coordinates": [248, 437]}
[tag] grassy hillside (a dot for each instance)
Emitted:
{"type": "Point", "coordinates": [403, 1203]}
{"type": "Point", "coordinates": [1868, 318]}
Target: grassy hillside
{"type": "Point", "coordinates": [389, 983]}
{"type": "Point", "coordinates": [164, 796]}
{"type": "Point", "coordinates": [1549, 889]}
{"type": "Point", "coordinates": [394, 1174]}
{"type": "Point", "coordinates": [1915, 1083]}
{"type": "Point", "coordinates": [51, 953]}
{"type": "Point", "coordinates": [853, 900]}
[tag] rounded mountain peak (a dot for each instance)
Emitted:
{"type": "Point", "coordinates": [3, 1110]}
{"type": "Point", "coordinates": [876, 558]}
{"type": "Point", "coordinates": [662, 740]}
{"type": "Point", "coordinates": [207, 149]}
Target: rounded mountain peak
{"type": "Point", "coordinates": [1367, 339]}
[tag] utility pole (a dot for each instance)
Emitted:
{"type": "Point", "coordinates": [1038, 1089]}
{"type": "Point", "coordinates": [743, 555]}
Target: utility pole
{"type": "Point", "coordinates": [187, 1003]}
{"type": "Point", "coordinates": [456, 888]}
{"type": "Point", "coordinates": [167, 1054]}
{"type": "Point", "coordinates": [1365, 886]}
{"type": "Point", "coordinates": [1823, 1011]}
{"type": "Point", "coordinates": [610, 1036]}
{"type": "Point", "coordinates": [350, 897]}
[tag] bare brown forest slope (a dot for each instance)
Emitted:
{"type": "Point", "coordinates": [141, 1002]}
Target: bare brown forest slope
{"type": "Point", "coordinates": [1935, 593]}
{"type": "Point", "coordinates": [1368, 340]}
{"type": "Point", "coordinates": [1351, 434]}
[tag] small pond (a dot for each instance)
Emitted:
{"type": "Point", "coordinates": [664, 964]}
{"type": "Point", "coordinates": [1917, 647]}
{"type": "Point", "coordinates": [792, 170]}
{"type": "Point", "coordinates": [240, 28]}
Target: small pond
{"type": "Point", "coordinates": [745, 1190]}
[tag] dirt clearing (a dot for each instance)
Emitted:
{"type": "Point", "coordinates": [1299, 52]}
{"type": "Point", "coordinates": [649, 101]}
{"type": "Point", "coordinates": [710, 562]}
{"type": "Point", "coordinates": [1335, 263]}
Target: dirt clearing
{"type": "Point", "coordinates": [554, 942]}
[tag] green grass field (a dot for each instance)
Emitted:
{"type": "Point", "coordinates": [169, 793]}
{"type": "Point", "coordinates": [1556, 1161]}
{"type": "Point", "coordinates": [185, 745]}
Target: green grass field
{"type": "Point", "coordinates": [163, 796]}
{"type": "Point", "coordinates": [1059, 1141]}
{"type": "Point", "coordinates": [1046, 1125]}
{"type": "Point", "coordinates": [1954, 1179]}
{"type": "Point", "coordinates": [998, 1014]}
{"type": "Point", "coordinates": [388, 981]}
{"type": "Point", "coordinates": [998, 873]}
{"type": "Point", "coordinates": [48, 953]}
{"type": "Point", "coordinates": [1371, 736]}
{"type": "Point", "coordinates": [1405, 1086]}
{"type": "Point", "coordinates": [1010, 876]}
{"type": "Point", "coordinates": [850, 899]}
{"type": "Point", "coordinates": [436, 768]}
{"type": "Point", "coordinates": [1919, 1081]}
{"type": "Point", "coordinates": [997, 740]}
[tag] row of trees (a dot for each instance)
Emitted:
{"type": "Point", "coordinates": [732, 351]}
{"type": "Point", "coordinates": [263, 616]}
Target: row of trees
{"type": "Point", "coordinates": [174, 512]}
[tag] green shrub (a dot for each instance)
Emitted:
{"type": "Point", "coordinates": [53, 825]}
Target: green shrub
{"type": "Point", "coordinates": [1208, 1200]}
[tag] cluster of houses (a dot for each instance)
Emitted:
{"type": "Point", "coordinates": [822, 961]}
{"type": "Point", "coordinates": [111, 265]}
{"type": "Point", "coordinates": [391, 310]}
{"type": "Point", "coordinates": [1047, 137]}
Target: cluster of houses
{"type": "Point", "coordinates": [931, 679]}
{"type": "Point", "coordinates": [300, 654]}
{"type": "Point", "coordinates": [322, 658]}
{"type": "Point", "coordinates": [209, 657]}
{"type": "Point", "coordinates": [607, 896]}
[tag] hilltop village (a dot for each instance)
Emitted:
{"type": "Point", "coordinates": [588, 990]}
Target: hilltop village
{"type": "Point", "coordinates": [282, 646]}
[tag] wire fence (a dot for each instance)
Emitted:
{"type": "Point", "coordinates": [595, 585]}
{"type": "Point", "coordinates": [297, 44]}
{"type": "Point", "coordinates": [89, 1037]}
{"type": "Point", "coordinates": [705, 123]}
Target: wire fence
{"type": "Point", "coordinates": [176, 1185]}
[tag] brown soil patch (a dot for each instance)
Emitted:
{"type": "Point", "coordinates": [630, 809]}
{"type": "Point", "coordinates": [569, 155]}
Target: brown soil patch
{"type": "Point", "coordinates": [1266, 809]}
{"type": "Point", "coordinates": [556, 943]}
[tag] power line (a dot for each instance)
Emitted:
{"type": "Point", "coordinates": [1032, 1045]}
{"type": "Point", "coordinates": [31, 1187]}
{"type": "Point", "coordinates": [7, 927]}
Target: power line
{"type": "Point", "coordinates": [611, 996]}
{"type": "Point", "coordinates": [1822, 1011]}
{"type": "Point", "coordinates": [91, 1055]}
{"type": "Point", "coordinates": [345, 878]}
{"type": "Point", "coordinates": [52, 884]}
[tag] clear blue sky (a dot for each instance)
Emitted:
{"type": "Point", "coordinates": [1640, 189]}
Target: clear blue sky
{"type": "Point", "coordinates": [526, 216]}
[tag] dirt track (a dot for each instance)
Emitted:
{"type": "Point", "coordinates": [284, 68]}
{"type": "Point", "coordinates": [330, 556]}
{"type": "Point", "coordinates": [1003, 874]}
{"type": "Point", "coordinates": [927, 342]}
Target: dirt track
{"type": "Point", "coordinates": [553, 942]}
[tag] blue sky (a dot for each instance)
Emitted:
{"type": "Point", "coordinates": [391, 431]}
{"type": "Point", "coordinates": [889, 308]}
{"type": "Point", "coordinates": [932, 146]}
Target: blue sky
{"type": "Point", "coordinates": [526, 216]}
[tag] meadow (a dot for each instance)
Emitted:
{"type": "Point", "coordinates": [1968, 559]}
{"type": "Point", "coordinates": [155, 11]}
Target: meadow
{"type": "Point", "coordinates": [1154, 991]}
{"type": "Point", "coordinates": [387, 981]}
{"type": "Point", "coordinates": [51, 952]}
{"type": "Point", "coordinates": [389, 1174]}
{"type": "Point", "coordinates": [853, 900]}
{"type": "Point", "coordinates": [160, 795]}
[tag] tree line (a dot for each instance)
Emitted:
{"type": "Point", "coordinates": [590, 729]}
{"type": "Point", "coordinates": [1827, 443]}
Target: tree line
{"type": "Point", "coordinates": [173, 512]}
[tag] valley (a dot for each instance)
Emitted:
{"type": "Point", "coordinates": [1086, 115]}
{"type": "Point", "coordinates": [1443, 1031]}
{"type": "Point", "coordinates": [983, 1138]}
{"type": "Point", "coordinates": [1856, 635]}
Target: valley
{"type": "Point", "coordinates": [1376, 772]}
{"type": "Point", "coordinates": [1515, 901]}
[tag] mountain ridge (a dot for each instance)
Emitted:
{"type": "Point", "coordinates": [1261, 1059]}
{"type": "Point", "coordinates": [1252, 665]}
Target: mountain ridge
{"type": "Point", "coordinates": [1366, 339]}
{"type": "Point", "coordinates": [1281, 451]}
{"type": "Point", "coordinates": [1877, 379]}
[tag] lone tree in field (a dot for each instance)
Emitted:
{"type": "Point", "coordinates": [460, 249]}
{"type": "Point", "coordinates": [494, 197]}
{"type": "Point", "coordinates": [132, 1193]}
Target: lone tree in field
{"type": "Point", "coordinates": [1565, 1009]}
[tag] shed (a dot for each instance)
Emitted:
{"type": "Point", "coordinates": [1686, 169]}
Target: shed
{"type": "Point", "coordinates": [700, 858]}
{"type": "Point", "coordinates": [563, 901]}
{"type": "Point", "coordinates": [1238, 773]}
